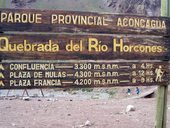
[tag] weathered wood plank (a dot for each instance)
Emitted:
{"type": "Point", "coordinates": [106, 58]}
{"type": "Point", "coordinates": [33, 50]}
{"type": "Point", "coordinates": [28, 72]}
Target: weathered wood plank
{"type": "Point", "coordinates": [89, 22]}
{"type": "Point", "coordinates": [82, 47]}
{"type": "Point", "coordinates": [20, 75]}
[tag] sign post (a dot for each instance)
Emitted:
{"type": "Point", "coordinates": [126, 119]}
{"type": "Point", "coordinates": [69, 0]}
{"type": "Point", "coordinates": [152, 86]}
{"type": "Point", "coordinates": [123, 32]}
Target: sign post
{"type": "Point", "coordinates": [162, 94]}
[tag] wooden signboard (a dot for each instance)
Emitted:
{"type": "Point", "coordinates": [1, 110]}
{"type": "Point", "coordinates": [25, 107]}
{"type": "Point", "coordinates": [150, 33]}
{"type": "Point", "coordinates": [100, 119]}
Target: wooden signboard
{"type": "Point", "coordinates": [78, 56]}
{"type": "Point", "coordinates": [89, 22]}
{"type": "Point", "coordinates": [82, 47]}
{"type": "Point", "coordinates": [20, 75]}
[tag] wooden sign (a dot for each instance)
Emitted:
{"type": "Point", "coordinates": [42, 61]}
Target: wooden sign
{"type": "Point", "coordinates": [69, 21]}
{"type": "Point", "coordinates": [51, 74]}
{"type": "Point", "coordinates": [82, 47]}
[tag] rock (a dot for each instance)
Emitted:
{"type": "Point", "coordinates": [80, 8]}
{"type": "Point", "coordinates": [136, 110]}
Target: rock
{"type": "Point", "coordinates": [6, 98]}
{"type": "Point", "coordinates": [87, 123]}
{"type": "Point", "coordinates": [49, 99]}
{"type": "Point", "coordinates": [39, 100]}
{"type": "Point", "coordinates": [26, 98]}
{"type": "Point", "coordinates": [135, 6]}
{"type": "Point", "coordinates": [13, 124]}
{"type": "Point", "coordinates": [52, 99]}
{"type": "Point", "coordinates": [10, 98]}
{"type": "Point", "coordinates": [80, 126]}
{"type": "Point", "coordinates": [117, 120]}
{"type": "Point", "coordinates": [55, 100]}
{"type": "Point", "coordinates": [68, 114]}
{"type": "Point", "coordinates": [130, 108]}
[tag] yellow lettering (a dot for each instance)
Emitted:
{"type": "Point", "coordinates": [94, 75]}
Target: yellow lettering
{"type": "Point", "coordinates": [104, 22]}
{"type": "Point", "coordinates": [24, 18]}
{"type": "Point", "coordinates": [163, 25]}
{"type": "Point", "coordinates": [74, 46]}
{"type": "Point", "coordinates": [54, 18]}
{"type": "Point", "coordinates": [1, 67]}
{"type": "Point", "coordinates": [20, 47]}
{"type": "Point", "coordinates": [17, 18]}
{"type": "Point", "coordinates": [38, 18]}
{"type": "Point", "coordinates": [125, 22]}
{"type": "Point", "coordinates": [4, 44]}
{"type": "Point", "coordinates": [3, 17]}
{"type": "Point", "coordinates": [153, 23]}
{"type": "Point", "coordinates": [93, 42]}
{"type": "Point", "coordinates": [117, 45]}
{"type": "Point", "coordinates": [10, 18]}
{"type": "Point", "coordinates": [148, 24]}
{"type": "Point", "coordinates": [99, 21]}
{"type": "Point", "coordinates": [61, 19]}
{"type": "Point", "coordinates": [95, 45]}
{"type": "Point", "coordinates": [119, 22]}
{"type": "Point", "coordinates": [142, 23]}
{"type": "Point", "coordinates": [1, 83]}
{"type": "Point", "coordinates": [68, 19]}
{"type": "Point", "coordinates": [1, 75]}
{"type": "Point", "coordinates": [21, 17]}
{"type": "Point", "coordinates": [90, 20]}
{"type": "Point", "coordinates": [131, 22]}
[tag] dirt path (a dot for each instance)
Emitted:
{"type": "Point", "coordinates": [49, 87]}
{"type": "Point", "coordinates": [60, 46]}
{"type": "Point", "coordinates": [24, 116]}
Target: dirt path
{"type": "Point", "coordinates": [73, 113]}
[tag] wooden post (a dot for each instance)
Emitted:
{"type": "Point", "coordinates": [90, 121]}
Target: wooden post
{"type": "Point", "coordinates": [162, 94]}
{"type": "Point", "coordinates": [161, 113]}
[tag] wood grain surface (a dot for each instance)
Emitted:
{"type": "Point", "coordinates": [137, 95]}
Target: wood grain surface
{"type": "Point", "coordinates": [82, 47]}
{"type": "Point", "coordinates": [77, 22]}
{"type": "Point", "coordinates": [70, 74]}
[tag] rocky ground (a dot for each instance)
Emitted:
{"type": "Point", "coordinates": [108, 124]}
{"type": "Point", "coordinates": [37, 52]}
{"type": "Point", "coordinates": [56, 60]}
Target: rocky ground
{"type": "Point", "coordinates": [69, 112]}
